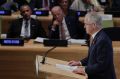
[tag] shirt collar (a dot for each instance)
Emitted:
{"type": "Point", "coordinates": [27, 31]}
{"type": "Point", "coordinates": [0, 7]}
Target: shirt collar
{"type": "Point", "coordinates": [63, 21]}
{"type": "Point", "coordinates": [93, 35]}
{"type": "Point", "coordinates": [25, 20]}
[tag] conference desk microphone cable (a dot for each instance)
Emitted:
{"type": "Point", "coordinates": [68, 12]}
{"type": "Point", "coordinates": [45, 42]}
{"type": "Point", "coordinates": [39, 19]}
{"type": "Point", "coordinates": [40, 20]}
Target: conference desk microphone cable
{"type": "Point", "coordinates": [45, 54]}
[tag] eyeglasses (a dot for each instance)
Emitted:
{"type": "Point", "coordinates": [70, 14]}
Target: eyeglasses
{"type": "Point", "coordinates": [88, 23]}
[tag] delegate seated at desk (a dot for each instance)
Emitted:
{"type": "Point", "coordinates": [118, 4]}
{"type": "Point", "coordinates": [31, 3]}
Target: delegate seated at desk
{"type": "Point", "coordinates": [26, 27]}
{"type": "Point", "coordinates": [64, 27]}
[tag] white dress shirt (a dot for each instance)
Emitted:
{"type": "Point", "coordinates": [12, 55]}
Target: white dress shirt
{"type": "Point", "coordinates": [23, 28]}
{"type": "Point", "coordinates": [64, 25]}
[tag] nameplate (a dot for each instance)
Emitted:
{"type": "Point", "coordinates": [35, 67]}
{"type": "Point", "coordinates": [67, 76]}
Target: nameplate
{"type": "Point", "coordinates": [12, 42]}
{"type": "Point", "coordinates": [55, 42]}
{"type": "Point", "coordinates": [41, 12]}
{"type": "Point", "coordinates": [5, 12]}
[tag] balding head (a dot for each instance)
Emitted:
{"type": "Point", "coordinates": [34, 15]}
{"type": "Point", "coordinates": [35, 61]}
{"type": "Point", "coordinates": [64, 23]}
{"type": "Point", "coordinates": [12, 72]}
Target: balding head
{"type": "Point", "coordinates": [57, 13]}
{"type": "Point", "coordinates": [56, 9]}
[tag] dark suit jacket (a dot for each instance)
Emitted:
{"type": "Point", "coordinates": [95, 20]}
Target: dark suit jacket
{"type": "Point", "coordinates": [99, 63]}
{"type": "Point", "coordinates": [16, 26]}
{"type": "Point", "coordinates": [75, 29]}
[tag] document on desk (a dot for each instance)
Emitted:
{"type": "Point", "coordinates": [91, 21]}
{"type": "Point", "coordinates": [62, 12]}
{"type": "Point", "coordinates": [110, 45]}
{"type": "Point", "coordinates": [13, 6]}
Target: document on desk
{"type": "Point", "coordinates": [39, 40]}
{"type": "Point", "coordinates": [66, 67]}
{"type": "Point", "coordinates": [77, 41]}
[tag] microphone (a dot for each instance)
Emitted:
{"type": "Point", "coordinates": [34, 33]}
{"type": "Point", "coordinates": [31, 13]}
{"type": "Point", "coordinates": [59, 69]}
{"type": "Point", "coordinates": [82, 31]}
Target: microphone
{"type": "Point", "coordinates": [45, 54]}
{"type": "Point", "coordinates": [55, 43]}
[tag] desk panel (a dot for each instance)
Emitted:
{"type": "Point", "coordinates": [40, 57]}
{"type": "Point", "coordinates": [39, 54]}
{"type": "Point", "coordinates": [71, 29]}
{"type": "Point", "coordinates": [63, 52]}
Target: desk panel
{"type": "Point", "coordinates": [19, 62]}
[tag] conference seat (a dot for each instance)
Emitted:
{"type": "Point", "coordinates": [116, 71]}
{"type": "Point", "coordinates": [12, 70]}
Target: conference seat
{"type": "Point", "coordinates": [113, 33]}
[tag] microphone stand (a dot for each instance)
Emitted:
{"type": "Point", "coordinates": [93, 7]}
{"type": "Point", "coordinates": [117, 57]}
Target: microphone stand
{"type": "Point", "coordinates": [45, 54]}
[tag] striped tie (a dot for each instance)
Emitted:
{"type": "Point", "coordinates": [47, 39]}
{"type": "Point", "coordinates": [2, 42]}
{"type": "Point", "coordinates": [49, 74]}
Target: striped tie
{"type": "Point", "coordinates": [26, 29]}
{"type": "Point", "coordinates": [62, 32]}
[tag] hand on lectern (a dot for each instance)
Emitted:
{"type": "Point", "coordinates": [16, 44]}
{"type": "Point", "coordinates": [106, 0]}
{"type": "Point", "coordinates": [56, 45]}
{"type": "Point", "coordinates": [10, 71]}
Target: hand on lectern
{"type": "Point", "coordinates": [74, 63]}
{"type": "Point", "coordinates": [81, 70]}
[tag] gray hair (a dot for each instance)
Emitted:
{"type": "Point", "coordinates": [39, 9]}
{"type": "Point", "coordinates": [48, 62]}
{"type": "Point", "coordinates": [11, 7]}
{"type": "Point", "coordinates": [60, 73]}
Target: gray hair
{"type": "Point", "coordinates": [94, 17]}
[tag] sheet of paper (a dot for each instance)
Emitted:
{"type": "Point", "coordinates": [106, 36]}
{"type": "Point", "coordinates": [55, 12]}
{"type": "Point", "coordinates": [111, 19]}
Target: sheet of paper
{"type": "Point", "coordinates": [77, 41]}
{"type": "Point", "coordinates": [39, 39]}
{"type": "Point", "coordinates": [65, 67]}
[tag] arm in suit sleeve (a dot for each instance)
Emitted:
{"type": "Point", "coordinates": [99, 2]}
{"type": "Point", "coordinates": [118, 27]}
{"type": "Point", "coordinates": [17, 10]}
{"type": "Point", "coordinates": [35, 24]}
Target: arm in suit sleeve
{"type": "Point", "coordinates": [84, 61]}
{"type": "Point", "coordinates": [41, 32]}
{"type": "Point", "coordinates": [103, 58]}
{"type": "Point", "coordinates": [10, 33]}
{"type": "Point", "coordinates": [53, 33]}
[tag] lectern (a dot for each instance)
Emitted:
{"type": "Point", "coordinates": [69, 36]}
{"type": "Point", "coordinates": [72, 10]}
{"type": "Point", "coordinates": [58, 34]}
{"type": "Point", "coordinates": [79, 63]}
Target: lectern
{"type": "Point", "coordinates": [50, 68]}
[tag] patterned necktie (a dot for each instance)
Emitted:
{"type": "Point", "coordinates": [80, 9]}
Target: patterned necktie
{"type": "Point", "coordinates": [26, 29]}
{"type": "Point", "coordinates": [62, 32]}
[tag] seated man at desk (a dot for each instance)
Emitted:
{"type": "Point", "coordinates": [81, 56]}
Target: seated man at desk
{"type": "Point", "coordinates": [64, 27]}
{"type": "Point", "coordinates": [26, 27]}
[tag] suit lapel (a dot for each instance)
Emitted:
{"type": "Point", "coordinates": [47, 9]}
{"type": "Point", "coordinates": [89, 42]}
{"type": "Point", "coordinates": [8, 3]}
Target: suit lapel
{"type": "Point", "coordinates": [19, 26]}
{"type": "Point", "coordinates": [68, 24]}
{"type": "Point", "coordinates": [93, 45]}
{"type": "Point", "coordinates": [31, 27]}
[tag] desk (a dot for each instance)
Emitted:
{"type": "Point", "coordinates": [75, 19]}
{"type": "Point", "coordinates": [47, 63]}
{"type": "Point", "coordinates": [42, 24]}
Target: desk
{"type": "Point", "coordinates": [19, 62]}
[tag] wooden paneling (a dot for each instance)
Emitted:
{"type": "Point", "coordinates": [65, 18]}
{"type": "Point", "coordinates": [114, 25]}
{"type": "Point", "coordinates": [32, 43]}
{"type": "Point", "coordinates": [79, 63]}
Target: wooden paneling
{"type": "Point", "coordinates": [19, 62]}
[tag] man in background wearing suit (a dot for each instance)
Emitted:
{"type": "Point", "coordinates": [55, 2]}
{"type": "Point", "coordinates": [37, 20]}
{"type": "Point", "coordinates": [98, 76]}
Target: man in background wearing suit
{"type": "Point", "coordinates": [99, 62]}
{"type": "Point", "coordinates": [26, 27]}
{"type": "Point", "coordinates": [64, 27]}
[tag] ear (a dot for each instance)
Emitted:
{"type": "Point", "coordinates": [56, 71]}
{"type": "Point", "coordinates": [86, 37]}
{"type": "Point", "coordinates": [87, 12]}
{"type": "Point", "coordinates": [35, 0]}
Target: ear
{"type": "Point", "coordinates": [94, 25]}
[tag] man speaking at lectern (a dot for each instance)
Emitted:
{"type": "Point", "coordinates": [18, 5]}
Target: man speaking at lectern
{"type": "Point", "coordinates": [99, 62]}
